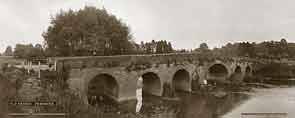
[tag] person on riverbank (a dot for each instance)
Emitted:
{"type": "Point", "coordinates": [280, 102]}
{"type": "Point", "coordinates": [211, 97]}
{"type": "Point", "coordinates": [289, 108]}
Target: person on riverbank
{"type": "Point", "coordinates": [139, 94]}
{"type": "Point", "coordinates": [204, 85]}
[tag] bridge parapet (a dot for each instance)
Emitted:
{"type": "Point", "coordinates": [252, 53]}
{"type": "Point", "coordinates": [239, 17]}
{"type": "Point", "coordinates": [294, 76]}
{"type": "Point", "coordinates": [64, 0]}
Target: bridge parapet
{"type": "Point", "coordinates": [129, 61]}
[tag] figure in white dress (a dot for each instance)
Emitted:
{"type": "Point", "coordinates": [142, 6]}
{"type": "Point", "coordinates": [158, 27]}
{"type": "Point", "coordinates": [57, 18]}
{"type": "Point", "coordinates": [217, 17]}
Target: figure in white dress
{"type": "Point", "coordinates": [205, 82]}
{"type": "Point", "coordinates": [139, 94]}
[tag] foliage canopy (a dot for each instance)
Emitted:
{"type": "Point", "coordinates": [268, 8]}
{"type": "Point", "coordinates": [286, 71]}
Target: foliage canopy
{"type": "Point", "coordinates": [88, 31]}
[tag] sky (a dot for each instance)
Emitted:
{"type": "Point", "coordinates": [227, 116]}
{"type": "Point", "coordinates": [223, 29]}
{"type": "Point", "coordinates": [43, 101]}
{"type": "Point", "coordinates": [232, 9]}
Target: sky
{"type": "Point", "coordinates": [185, 23]}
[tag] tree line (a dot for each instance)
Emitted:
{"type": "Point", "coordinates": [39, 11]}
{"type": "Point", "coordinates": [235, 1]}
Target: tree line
{"type": "Point", "coordinates": [154, 47]}
{"type": "Point", "coordinates": [266, 49]}
{"type": "Point", "coordinates": [29, 51]}
{"type": "Point", "coordinates": [25, 51]}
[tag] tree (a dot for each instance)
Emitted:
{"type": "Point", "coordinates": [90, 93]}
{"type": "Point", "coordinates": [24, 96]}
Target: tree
{"type": "Point", "coordinates": [28, 51]}
{"type": "Point", "coordinates": [204, 46]}
{"type": "Point", "coordinates": [37, 51]}
{"type": "Point", "coordinates": [23, 51]}
{"type": "Point", "coordinates": [284, 41]}
{"type": "Point", "coordinates": [86, 32]}
{"type": "Point", "coordinates": [159, 47]}
{"type": "Point", "coordinates": [283, 45]}
{"type": "Point", "coordinates": [149, 49]}
{"type": "Point", "coordinates": [8, 51]}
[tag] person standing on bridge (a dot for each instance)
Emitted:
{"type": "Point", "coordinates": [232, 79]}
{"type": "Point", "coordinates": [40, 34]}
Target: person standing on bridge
{"type": "Point", "coordinates": [139, 94]}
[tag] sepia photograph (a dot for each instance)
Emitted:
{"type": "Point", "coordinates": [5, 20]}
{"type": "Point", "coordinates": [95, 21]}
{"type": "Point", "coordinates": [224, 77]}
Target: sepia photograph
{"type": "Point", "coordinates": [147, 59]}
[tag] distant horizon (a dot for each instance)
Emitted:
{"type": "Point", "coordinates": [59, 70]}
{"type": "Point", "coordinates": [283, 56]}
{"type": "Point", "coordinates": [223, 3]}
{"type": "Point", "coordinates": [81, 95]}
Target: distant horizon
{"type": "Point", "coordinates": [185, 24]}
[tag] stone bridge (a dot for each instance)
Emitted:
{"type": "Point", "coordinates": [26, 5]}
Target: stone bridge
{"type": "Point", "coordinates": [117, 76]}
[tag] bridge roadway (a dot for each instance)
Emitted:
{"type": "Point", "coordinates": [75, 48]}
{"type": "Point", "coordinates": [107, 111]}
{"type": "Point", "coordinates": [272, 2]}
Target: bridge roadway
{"type": "Point", "coordinates": [116, 76]}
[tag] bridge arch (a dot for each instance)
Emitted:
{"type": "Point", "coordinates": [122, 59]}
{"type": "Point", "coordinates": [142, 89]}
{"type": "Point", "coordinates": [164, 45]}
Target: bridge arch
{"type": "Point", "coordinates": [238, 69]}
{"type": "Point", "coordinates": [181, 80]}
{"type": "Point", "coordinates": [102, 86]}
{"type": "Point", "coordinates": [151, 84]}
{"type": "Point", "coordinates": [218, 71]}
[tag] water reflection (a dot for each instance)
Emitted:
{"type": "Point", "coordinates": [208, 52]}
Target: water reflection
{"type": "Point", "coordinates": [192, 106]}
{"type": "Point", "coordinates": [208, 106]}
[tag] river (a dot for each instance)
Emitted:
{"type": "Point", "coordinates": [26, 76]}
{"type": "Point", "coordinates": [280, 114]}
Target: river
{"type": "Point", "coordinates": [274, 100]}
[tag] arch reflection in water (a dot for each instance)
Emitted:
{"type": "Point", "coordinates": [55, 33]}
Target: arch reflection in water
{"type": "Point", "coordinates": [248, 73]}
{"type": "Point", "coordinates": [195, 106]}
